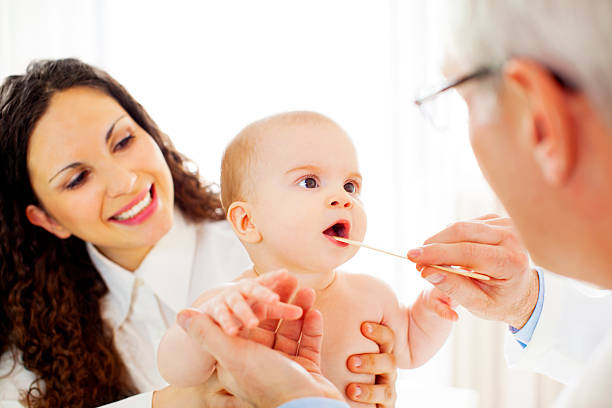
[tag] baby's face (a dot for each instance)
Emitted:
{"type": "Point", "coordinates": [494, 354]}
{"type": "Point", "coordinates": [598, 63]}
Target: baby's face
{"type": "Point", "coordinates": [307, 190]}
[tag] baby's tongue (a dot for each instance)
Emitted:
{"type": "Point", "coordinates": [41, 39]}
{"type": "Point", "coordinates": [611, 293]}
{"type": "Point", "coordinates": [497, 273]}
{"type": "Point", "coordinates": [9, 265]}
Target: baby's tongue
{"type": "Point", "coordinates": [336, 230]}
{"type": "Point", "coordinates": [330, 231]}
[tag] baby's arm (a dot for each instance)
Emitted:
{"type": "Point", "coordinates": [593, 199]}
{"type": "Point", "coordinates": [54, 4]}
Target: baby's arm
{"type": "Point", "coordinates": [233, 306]}
{"type": "Point", "coordinates": [421, 329]}
{"type": "Point", "coordinates": [430, 321]}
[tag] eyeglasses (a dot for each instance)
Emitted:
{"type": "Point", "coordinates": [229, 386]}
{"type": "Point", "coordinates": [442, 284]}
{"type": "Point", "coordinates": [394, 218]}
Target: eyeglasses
{"type": "Point", "coordinates": [436, 106]}
{"type": "Point", "coordinates": [482, 72]}
{"type": "Point", "coordinates": [438, 113]}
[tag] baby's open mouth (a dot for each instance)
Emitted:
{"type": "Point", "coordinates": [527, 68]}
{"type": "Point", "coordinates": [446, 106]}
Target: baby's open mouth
{"type": "Point", "coordinates": [339, 229]}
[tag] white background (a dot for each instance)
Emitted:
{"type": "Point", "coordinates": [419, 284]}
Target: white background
{"type": "Point", "coordinates": [205, 69]}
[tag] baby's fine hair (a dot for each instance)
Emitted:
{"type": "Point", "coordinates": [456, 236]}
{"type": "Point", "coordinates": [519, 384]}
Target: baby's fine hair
{"type": "Point", "coordinates": [241, 153]}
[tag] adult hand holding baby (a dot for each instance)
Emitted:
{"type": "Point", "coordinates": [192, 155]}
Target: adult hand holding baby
{"type": "Point", "coordinates": [383, 365]}
{"type": "Point", "coordinates": [490, 245]}
{"type": "Point", "coordinates": [248, 363]}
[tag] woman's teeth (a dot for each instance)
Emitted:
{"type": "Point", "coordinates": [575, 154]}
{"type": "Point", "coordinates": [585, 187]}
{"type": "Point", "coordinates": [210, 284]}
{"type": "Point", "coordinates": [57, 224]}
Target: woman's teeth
{"type": "Point", "coordinates": [135, 209]}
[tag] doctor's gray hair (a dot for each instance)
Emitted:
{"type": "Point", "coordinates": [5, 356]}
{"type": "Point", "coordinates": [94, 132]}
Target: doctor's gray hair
{"type": "Point", "coordinates": [572, 38]}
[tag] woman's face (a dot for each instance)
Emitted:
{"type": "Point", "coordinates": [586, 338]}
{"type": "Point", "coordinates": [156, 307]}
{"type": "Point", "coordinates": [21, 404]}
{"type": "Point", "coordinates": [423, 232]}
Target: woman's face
{"type": "Point", "coordinates": [99, 176]}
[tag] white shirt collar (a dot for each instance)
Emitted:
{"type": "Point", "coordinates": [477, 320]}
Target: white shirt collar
{"type": "Point", "coordinates": [166, 270]}
{"type": "Point", "coordinates": [120, 283]}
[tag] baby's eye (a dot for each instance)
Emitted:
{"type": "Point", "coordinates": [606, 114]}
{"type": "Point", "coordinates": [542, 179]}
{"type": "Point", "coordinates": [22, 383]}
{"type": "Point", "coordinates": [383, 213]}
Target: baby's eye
{"type": "Point", "coordinates": [309, 182]}
{"type": "Point", "coordinates": [350, 187]}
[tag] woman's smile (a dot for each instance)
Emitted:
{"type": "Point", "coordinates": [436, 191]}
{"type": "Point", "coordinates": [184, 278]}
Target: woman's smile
{"type": "Point", "coordinates": [140, 209]}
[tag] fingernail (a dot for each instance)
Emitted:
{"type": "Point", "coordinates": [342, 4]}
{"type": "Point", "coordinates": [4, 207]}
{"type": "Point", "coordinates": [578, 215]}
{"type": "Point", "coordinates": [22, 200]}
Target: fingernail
{"type": "Point", "coordinates": [357, 362]}
{"type": "Point", "coordinates": [183, 320]}
{"type": "Point", "coordinates": [435, 278]}
{"type": "Point", "coordinates": [415, 253]}
{"type": "Point", "coordinates": [357, 391]}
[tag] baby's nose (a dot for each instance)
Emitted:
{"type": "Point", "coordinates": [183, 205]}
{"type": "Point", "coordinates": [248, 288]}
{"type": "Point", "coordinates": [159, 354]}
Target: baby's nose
{"type": "Point", "coordinates": [340, 202]}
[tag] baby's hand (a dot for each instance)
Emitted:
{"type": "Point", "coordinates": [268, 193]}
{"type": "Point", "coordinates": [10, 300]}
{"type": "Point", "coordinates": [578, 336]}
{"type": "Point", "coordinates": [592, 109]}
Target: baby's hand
{"type": "Point", "coordinates": [441, 304]}
{"type": "Point", "coordinates": [246, 302]}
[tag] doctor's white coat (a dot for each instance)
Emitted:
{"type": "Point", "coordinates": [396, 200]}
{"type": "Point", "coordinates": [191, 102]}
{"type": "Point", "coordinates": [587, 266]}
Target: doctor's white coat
{"type": "Point", "coordinates": [572, 343]}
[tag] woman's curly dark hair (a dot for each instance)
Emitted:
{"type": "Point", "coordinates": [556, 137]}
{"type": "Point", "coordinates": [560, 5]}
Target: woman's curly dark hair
{"type": "Point", "coordinates": [50, 290]}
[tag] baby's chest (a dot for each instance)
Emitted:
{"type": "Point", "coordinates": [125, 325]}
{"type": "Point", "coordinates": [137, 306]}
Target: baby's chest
{"type": "Point", "coordinates": [342, 332]}
{"type": "Point", "coordinates": [342, 319]}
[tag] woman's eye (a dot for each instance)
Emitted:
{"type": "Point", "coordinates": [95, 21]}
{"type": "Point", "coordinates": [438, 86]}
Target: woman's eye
{"type": "Point", "coordinates": [123, 143]}
{"type": "Point", "coordinates": [309, 182]}
{"type": "Point", "coordinates": [78, 180]}
{"type": "Point", "coordinates": [350, 187]}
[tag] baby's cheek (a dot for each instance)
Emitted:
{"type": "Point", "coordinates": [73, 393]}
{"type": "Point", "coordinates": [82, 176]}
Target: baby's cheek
{"type": "Point", "coordinates": [359, 224]}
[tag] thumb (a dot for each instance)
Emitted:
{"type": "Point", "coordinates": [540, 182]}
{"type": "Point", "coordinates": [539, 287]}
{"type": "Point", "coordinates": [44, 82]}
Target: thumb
{"type": "Point", "coordinates": [201, 328]}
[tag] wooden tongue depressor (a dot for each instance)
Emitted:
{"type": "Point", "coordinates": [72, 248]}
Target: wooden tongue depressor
{"type": "Point", "coordinates": [454, 270]}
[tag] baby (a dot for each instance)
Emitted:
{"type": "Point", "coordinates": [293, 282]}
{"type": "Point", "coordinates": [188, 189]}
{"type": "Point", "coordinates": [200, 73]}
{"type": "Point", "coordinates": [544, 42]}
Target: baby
{"type": "Point", "coordinates": [289, 184]}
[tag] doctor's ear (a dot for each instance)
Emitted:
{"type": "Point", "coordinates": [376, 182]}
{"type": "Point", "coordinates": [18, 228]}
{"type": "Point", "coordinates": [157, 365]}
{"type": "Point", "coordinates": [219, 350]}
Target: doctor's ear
{"type": "Point", "coordinates": [552, 139]}
{"type": "Point", "coordinates": [39, 217]}
{"type": "Point", "coordinates": [239, 215]}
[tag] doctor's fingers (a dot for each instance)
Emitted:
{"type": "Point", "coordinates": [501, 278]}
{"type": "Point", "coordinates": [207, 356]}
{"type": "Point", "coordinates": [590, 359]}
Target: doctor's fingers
{"type": "Point", "coordinates": [495, 261]}
{"type": "Point", "coordinates": [494, 232]}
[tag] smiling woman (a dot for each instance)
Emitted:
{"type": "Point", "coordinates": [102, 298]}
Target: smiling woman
{"type": "Point", "coordinates": [117, 174]}
{"type": "Point", "coordinates": [84, 161]}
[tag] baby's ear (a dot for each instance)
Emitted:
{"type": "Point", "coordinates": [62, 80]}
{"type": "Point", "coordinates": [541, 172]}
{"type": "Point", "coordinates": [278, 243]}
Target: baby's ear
{"type": "Point", "coordinates": [239, 215]}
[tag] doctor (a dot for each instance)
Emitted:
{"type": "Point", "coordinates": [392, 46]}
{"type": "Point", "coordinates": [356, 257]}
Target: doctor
{"type": "Point", "coordinates": [538, 85]}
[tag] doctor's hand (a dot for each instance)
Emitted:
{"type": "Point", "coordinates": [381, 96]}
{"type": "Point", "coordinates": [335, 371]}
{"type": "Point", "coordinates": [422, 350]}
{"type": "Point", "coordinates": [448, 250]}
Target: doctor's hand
{"type": "Point", "coordinates": [489, 245]}
{"type": "Point", "coordinates": [267, 377]}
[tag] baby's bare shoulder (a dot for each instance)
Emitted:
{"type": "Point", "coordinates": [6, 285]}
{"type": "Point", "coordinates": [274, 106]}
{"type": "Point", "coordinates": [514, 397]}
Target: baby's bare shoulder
{"type": "Point", "coordinates": [368, 283]}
